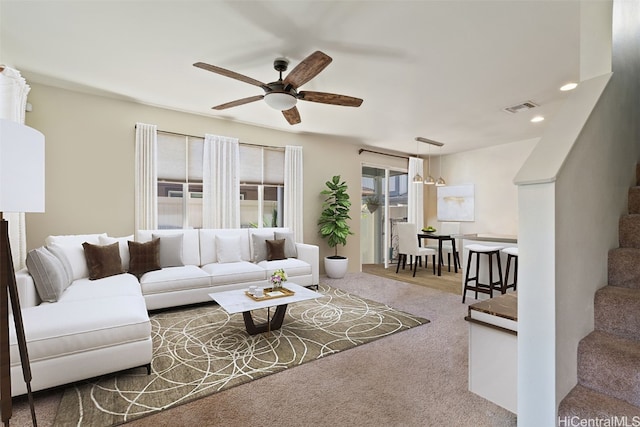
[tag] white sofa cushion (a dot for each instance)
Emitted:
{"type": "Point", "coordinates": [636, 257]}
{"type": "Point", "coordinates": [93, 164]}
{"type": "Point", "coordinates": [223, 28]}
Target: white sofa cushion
{"type": "Point", "coordinates": [74, 239]}
{"type": "Point", "coordinates": [171, 279]}
{"type": "Point", "coordinates": [190, 242]}
{"type": "Point", "coordinates": [292, 266]}
{"type": "Point", "coordinates": [208, 243]}
{"type": "Point", "coordinates": [118, 285]}
{"type": "Point", "coordinates": [234, 272]}
{"type": "Point", "coordinates": [80, 326]}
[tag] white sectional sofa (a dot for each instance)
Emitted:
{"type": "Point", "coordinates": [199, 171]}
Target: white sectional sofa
{"type": "Point", "coordinates": [78, 326]}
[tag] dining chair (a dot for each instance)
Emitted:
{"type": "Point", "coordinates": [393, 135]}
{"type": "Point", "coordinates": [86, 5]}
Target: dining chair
{"type": "Point", "coordinates": [408, 245]}
{"type": "Point", "coordinates": [451, 229]}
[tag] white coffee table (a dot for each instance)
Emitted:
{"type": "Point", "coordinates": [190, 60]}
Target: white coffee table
{"type": "Point", "coordinates": [237, 301]}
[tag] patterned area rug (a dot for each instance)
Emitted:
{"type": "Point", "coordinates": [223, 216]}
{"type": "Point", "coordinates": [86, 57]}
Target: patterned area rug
{"type": "Point", "coordinates": [203, 350]}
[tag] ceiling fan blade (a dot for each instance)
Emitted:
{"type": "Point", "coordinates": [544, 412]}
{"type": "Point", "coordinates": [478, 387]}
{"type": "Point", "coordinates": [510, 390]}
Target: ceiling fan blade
{"type": "Point", "coordinates": [238, 102]}
{"type": "Point", "coordinates": [307, 69]}
{"type": "Point", "coordinates": [292, 115]}
{"type": "Point", "coordinates": [228, 73]}
{"type": "Point", "coordinates": [330, 98]}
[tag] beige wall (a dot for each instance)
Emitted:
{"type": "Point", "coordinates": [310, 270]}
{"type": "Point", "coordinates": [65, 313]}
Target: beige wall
{"type": "Point", "coordinates": [491, 170]}
{"type": "Point", "coordinates": [90, 163]}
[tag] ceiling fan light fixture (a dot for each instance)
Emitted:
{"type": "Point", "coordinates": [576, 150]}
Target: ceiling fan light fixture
{"type": "Point", "coordinates": [281, 101]}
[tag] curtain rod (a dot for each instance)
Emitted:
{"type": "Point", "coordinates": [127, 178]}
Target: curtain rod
{"type": "Point", "coordinates": [384, 154]}
{"type": "Point", "coordinates": [270, 147]}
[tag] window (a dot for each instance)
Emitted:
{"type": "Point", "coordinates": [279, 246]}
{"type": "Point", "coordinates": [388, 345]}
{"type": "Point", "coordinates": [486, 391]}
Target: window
{"type": "Point", "coordinates": [179, 181]}
{"type": "Point", "coordinates": [179, 169]}
{"type": "Point", "coordinates": [261, 186]}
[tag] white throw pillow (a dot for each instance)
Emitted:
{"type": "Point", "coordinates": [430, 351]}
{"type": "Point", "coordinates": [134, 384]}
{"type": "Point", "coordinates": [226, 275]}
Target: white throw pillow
{"type": "Point", "coordinates": [48, 274]}
{"type": "Point", "coordinates": [290, 250]}
{"type": "Point", "coordinates": [122, 245]}
{"type": "Point", "coordinates": [59, 253]}
{"type": "Point", "coordinates": [259, 245]}
{"type": "Point", "coordinates": [170, 249]}
{"type": "Point", "coordinates": [75, 255]}
{"type": "Point", "coordinates": [228, 249]}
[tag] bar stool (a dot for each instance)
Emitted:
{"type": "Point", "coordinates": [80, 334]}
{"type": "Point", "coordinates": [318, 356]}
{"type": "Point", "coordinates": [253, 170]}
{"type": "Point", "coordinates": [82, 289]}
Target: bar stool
{"type": "Point", "coordinates": [512, 253]}
{"type": "Point", "coordinates": [486, 288]}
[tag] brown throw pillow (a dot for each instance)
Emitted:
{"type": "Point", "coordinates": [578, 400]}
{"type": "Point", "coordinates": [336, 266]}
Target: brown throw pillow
{"type": "Point", "coordinates": [144, 257]}
{"type": "Point", "coordinates": [102, 261]}
{"type": "Point", "coordinates": [275, 249]}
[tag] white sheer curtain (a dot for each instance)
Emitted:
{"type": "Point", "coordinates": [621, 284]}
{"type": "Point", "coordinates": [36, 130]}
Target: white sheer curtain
{"type": "Point", "coordinates": [293, 186]}
{"type": "Point", "coordinates": [146, 188]}
{"type": "Point", "coordinates": [13, 101]}
{"type": "Point", "coordinates": [415, 208]}
{"type": "Point", "coordinates": [221, 182]}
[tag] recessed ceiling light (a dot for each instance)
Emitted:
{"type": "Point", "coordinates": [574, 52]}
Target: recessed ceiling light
{"type": "Point", "coordinates": [568, 86]}
{"type": "Point", "coordinates": [537, 119]}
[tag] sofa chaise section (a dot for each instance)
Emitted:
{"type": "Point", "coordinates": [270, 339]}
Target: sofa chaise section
{"type": "Point", "coordinates": [81, 336]}
{"type": "Point", "coordinates": [87, 339]}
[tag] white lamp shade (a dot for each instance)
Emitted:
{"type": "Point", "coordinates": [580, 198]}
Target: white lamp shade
{"type": "Point", "coordinates": [21, 168]}
{"type": "Point", "coordinates": [280, 101]}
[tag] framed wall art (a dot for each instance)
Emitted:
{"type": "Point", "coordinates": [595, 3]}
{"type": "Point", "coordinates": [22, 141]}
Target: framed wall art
{"type": "Point", "coordinates": [456, 203]}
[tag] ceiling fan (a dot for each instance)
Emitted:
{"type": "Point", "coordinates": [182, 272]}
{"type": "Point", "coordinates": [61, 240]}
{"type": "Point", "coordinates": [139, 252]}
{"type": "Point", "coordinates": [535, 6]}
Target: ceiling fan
{"type": "Point", "coordinates": [283, 94]}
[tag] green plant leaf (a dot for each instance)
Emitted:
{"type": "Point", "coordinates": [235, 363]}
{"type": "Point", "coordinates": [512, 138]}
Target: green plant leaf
{"type": "Point", "coordinates": [335, 212]}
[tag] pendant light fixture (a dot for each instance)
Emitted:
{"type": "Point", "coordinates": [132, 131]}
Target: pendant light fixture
{"type": "Point", "coordinates": [440, 182]}
{"type": "Point", "coordinates": [429, 179]}
{"type": "Point", "coordinates": [417, 179]}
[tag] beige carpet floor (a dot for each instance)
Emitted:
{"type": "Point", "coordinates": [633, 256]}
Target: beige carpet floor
{"type": "Point", "coordinates": [415, 378]}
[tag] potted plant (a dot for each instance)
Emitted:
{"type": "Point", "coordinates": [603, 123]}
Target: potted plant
{"type": "Point", "coordinates": [373, 203]}
{"type": "Point", "coordinates": [333, 225]}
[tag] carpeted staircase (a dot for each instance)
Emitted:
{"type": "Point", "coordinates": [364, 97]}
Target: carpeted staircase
{"type": "Point", "coordinates": [609, 357]}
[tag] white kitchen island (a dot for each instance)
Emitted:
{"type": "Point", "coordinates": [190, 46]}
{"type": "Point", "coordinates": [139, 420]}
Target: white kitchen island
{"type": "Point", "coordinates": [493, 350]}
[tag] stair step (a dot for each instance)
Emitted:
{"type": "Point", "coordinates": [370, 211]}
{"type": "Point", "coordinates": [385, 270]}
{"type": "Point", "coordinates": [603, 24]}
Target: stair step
{"type": "Point", "coordinates": [624, 267]}
{"type": "Point", "coordinates": [634, 200]}
{"type": "Point", "coordinates": [587, 404]}
{"type": "Point", "coordinates": [629, 231]}
{"type": "Point", "coordinates": [617, 311]}
{"type": "Point", "coordinates": [610, 365]}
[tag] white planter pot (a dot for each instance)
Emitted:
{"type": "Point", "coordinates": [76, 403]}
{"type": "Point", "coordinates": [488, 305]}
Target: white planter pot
{"type": "Point", "coordinates": [336, 268]}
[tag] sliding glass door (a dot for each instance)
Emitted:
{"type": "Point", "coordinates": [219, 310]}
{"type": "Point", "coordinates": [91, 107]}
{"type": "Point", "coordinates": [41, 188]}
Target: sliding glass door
{"type": "Point", "coordinates": [383, 203]}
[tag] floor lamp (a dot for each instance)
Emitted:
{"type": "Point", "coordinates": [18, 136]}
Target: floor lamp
{"type": "Point", "coordinates": [21, 190]}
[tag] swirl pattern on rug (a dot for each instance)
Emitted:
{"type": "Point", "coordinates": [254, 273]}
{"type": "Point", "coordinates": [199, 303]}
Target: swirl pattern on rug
{"type": "Point", "coordinates": [202, 350]}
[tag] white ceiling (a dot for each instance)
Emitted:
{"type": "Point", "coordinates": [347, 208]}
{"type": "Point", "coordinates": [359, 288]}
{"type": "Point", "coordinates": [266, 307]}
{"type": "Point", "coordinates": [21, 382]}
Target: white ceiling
{"type": "Point", "coordinates": [443, 70]}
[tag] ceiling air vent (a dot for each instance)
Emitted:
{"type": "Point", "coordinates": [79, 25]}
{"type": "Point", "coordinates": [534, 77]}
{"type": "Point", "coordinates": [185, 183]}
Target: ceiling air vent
{"type": "Point", "coordinates": [527, 105]}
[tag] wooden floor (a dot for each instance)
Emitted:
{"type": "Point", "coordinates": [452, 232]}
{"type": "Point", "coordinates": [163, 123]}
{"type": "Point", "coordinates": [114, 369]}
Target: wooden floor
{"type": "Point", "coordinates": [448, 282]}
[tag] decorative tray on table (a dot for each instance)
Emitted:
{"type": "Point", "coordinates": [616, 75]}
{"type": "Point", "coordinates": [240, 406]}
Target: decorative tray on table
{"type": "Point", "coordinates": [271, 293]}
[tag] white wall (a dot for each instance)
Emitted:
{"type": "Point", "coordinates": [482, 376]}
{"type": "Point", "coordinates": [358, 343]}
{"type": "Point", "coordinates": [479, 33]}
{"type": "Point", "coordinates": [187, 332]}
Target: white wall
{"type": "Point", "coordinates": [578, 187]}
{"type": "Point", "coordinates": [491, 171]}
